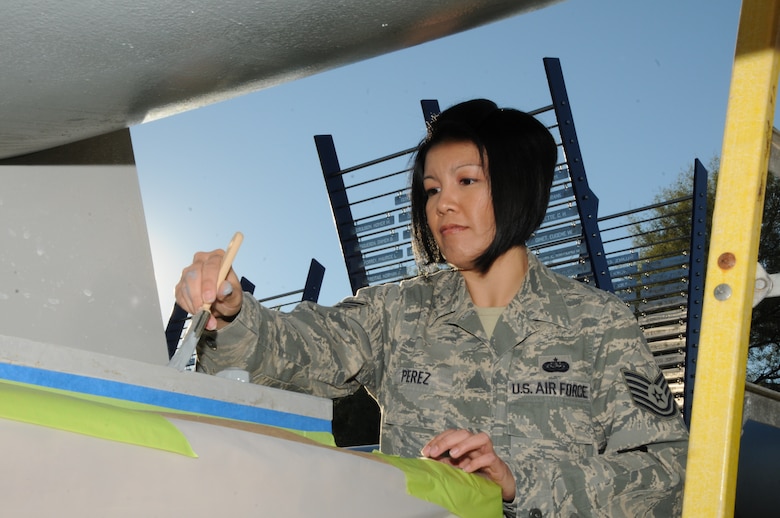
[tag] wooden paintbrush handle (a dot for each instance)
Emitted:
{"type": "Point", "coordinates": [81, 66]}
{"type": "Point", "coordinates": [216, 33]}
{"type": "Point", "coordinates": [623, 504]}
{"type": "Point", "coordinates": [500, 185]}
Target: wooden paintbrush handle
{"type": "Point", "coordinates": [227, 260]}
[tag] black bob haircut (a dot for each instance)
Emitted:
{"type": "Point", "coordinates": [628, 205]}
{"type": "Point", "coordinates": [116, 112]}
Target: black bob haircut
{"type": "Point", "coordinates": [521, 155]}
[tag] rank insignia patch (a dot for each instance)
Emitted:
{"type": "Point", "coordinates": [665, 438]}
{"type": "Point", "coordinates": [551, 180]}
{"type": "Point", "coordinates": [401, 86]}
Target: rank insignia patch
{"type": "Point", "coordinates": [654, 396]}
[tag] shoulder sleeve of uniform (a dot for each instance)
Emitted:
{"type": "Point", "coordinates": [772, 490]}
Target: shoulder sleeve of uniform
{"type": "Point", "coordinates": [633, 401]}
{"type": "Point", "coordinates": [638, 462]}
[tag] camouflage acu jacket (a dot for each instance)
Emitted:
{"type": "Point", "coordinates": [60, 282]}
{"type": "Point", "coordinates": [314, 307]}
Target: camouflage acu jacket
{"type": "Point", "coordinates": [566, 386]}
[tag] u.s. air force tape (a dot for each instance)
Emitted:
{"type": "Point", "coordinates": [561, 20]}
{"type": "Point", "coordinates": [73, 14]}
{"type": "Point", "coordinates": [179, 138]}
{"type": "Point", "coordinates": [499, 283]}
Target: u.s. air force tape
{"type": "Point", "coordinates": [554, 387]}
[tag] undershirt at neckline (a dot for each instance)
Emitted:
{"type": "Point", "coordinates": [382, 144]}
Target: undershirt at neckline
{"type": "Point", "coordinates": [489, 316]}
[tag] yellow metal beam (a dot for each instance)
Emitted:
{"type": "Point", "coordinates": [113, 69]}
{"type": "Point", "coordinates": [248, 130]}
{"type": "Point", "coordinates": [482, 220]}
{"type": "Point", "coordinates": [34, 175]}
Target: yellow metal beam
{"type": "Point", "coordinates": [718, 397]}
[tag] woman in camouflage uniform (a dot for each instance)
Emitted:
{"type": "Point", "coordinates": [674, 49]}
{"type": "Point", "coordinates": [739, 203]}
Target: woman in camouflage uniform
{"type": "Point", "coordinates": [495, 365]}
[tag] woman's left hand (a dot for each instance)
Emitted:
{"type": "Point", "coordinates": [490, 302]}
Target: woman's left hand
{"type": "Point", "coordinates": [473, 453]}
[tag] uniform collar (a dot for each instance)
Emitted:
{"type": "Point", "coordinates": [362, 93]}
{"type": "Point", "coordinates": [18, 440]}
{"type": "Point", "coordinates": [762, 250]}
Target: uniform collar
{"type": "Point", "coordinates": [541, 296]}
{"type": "Point", "coordinates": [539, 299]}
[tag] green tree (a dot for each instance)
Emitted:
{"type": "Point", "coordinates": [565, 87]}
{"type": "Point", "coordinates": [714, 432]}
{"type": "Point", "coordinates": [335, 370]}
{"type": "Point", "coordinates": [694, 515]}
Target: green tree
{"type": "Point", "coordinates": [668, 231]}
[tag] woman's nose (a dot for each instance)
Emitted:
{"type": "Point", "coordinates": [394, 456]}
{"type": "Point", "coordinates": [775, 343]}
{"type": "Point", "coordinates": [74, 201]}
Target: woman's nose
{"type": "Point", "coordinates": [446, 201]}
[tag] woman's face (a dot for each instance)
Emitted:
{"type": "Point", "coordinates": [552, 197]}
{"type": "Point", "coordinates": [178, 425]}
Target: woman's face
{"type": "Point", "coordinates": [459, 206]}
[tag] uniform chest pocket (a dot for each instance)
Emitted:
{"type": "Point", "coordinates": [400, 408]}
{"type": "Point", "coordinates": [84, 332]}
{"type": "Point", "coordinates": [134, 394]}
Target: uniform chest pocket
{"type": "Point", "coordinates": [419, 397]}
{"type": "Point", "coordinates": [557, 423]}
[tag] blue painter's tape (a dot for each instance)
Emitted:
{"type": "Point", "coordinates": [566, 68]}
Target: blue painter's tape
{"type": "Point", "coordinates": [161, 398]}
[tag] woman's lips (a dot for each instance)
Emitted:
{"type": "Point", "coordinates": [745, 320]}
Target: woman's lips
{"type": "Point", "coordinates": [450, 229]}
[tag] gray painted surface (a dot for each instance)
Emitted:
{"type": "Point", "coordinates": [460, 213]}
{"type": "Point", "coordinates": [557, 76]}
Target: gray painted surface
{"type": "Point", "coordinates": [759, 454]}
{"type": "Point", "coordinates": [73, 70]}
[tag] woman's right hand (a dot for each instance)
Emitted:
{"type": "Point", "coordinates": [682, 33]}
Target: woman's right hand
{"type": "Point", "coordinates": [198, 286]}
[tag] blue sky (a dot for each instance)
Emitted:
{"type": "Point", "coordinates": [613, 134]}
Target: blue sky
{"type": "Point", "coordinates": [648, 84]}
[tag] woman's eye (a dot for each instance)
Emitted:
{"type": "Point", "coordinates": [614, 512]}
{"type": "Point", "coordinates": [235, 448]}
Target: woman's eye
{"type": "Point", "coordinates": [432, 191]}
{"type": "Point", "coordinates": [468, 181]}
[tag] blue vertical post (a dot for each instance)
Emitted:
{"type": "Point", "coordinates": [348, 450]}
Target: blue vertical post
{"type": "Point", "coordinates": [697, 265]}
{"type": "Point", "coordinates": [430, 109]}
{"type": "Point", "coordinates": [587, 202]}
{"type": "Point", "coordinates": [174, 328]}
{"type": "Point", "coordinates": [311, 291]}
{"type": "Point", "coordinates": [342, 213]}
{"type": "Point", "coordinates": [247, 286]}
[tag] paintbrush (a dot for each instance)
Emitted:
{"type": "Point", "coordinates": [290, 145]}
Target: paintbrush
{"type": "Point", "coordinates": [198, 323]}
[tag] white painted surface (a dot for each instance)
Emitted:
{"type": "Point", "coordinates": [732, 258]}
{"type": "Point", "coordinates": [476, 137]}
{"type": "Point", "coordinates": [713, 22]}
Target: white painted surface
{"type": "Point", "coordinates": [48, 472]}
{"type": "Point", "coordinates": [75, 261]}
{"type": "Point", "coordinates": [64, 360]}
{"type": "Point", "coordinates": [238, 472]}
